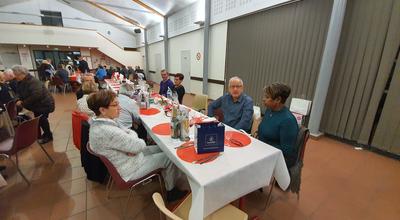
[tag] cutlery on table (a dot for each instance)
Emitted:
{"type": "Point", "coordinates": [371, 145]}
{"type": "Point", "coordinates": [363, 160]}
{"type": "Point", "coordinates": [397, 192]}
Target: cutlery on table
{"type": "Point", "coordinates": [206, 159]}
{"type": "Point", "coordinates": [183, 146]}
{"type": "Point", "coordinates": [236, 142]}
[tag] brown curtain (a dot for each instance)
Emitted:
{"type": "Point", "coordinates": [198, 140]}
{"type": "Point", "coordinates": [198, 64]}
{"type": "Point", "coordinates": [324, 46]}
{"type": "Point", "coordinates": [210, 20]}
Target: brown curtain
{"type": "Point", "coordinates": [387, 134]}
{"type": "Point", "coordinates": [282, 44]}
{"type": "Point", "coordinates": [362, 61]}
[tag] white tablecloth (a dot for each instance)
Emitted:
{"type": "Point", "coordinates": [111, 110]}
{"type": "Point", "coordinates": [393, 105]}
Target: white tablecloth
{"type": "Point", "coordinates": [237, 172]}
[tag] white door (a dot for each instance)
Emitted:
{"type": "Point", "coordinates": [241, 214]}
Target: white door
{"type": "Point", "coordinates": [185, 69]}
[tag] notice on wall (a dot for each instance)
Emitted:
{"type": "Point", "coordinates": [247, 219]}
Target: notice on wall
{"type": "Point", "coordinates": [25, 57]}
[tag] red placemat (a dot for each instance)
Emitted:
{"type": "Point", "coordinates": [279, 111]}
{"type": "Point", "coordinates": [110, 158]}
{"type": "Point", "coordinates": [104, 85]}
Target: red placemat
{"type": "Point", "coordinates": [196, 120]}
{"type": "Point", "coordinates": [162, 129]}
{"type": "Point", "coordinates": [155, 95]}
{"type": "Point", "coordinates": [73, 78]}
{"type": "Point", "coordinates": [189, 154]}
{"type": "Point", "coordinates": [149, 111]}
{"type": "Point", "coordinates": [236, 139]}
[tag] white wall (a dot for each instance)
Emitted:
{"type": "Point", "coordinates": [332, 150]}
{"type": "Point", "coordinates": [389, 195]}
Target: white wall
{"type": "Point", "coordinates": [193, 41]}
{"type": "Point", "coordinates": [216, 61]}
{"type": "Point", "coordinates": [142, 52]}
{"type": "Point", "coordinates": [185, 35]}
{"type": "Point", "coordinates": [9, 56]}
{"type": "Point", "coordinates": [223, 10]}
{"type": "Point", "coordinates": [121, 38]}
{"type": "Point", "coordinates": [58, 36]}
{"type": "Point", "coordinates": [183, 21]}
{"type": "Point", "coordinates": [25, 57]}
{"type": "Point", "coordinates": [154, 49]}
{"type": "Point", "coordinates": [154, 32]}
{"type": "Point", "coordinates": [217, 50]}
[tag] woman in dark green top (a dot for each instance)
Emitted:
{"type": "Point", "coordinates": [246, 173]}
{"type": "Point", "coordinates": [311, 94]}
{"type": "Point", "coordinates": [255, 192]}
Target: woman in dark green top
{"type": "Point", "coordinates": [279, 127]}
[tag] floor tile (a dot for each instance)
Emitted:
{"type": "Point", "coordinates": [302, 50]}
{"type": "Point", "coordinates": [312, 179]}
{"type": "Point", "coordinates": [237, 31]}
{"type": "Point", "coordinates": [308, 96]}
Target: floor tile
{"type": "Point", "coordinates": [69, 206]}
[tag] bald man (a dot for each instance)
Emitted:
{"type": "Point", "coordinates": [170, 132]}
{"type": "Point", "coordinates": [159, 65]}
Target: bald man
{"type": "Point", "coordinates": [236, 106]}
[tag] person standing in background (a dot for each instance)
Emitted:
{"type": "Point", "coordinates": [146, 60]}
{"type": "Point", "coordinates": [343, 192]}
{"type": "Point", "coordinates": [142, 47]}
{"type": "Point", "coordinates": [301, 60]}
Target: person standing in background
{"type": "Point", "coordinates": [62, 73]}
{"type": "Point", "coordinates": [83, 66]}
{"type": "Point", "coordinates": [34, 96]}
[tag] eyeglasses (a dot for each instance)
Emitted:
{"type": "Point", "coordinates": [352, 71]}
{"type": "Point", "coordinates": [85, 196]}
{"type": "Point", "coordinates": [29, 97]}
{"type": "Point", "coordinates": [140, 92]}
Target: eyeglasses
{"type": "Point", "coordinates": [236, 86]}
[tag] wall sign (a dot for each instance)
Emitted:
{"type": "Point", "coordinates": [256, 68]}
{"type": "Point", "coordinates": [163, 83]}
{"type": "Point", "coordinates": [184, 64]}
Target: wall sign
{"type": "Point", "coordinates": [198, 56]}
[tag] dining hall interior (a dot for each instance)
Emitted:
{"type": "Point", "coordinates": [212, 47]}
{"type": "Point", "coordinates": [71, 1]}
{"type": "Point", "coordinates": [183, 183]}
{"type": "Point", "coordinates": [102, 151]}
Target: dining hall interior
{"type": "Point", "coordinates": [200, 109]}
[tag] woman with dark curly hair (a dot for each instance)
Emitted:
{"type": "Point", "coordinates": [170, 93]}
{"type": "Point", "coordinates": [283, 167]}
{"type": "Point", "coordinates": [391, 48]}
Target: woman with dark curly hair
{"type": "Point", "coordinates": [279, 127]}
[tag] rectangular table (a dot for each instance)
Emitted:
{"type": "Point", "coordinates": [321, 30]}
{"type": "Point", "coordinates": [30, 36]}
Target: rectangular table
{"type": "Point", "coordinates": [237, 172]}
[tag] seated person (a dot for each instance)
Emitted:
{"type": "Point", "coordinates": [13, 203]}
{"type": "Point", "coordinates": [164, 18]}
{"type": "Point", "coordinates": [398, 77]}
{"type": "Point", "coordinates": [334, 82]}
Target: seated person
{"type": "Point", "coordinates": [279, 127]}
{"type": "Point", "coordinates": [88, 87]}
{"type": "Point", "coordinates": [45, 71]}
{"type": "Point", "coordinates": [101, 73]}
{"type": "Point", "coordinates": [128, 153]}
{"type": "Point", "coordinates": [62, 73]}
{"type": "Point", "coordinates": [140, 73]}
{"type": "Point", "coordinates": [84, 78]}
{"type": "Point", "coordinates": [129, 116]}
{"type": "Point", "coordinates": [165, 83]}
{"type": "Point", "coordinates": [236, 106]}
{"type": "Point", "coordinates": [129, 108]}
{"type": "Point", "coordinates": [6, 92]}
{"type": "Point", "coordinates": [9, 77]}
{"type": "Point", "coordinates": [178, 88]}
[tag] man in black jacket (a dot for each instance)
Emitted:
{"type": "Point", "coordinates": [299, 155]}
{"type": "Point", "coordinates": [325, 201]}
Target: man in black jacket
{"type": "Point", "coordinates": [34, 96]}
{"type": "Point", "coordinates": [83, 66]}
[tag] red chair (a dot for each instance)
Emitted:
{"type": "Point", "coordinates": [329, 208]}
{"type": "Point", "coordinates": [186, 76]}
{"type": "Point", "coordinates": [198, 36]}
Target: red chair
{"type": "Point", "coordinates": [295, 170]}
{"type": "Point", "coordinates": [11, 107]}
{"type": "Point", "coordinates": [58, 82]}
{"type": "Point", "coordinates": [116, 178]}
{"type": "Point", "coordinates": [25, 135]}
{"type": "Point", "coordinates": [219, 114]}
{"type": "Point", "coordinates": [77, 118]}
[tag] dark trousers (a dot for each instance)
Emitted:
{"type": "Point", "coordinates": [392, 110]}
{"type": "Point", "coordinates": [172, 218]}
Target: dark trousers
{"type": "Point", "coordinates": [44, 125]}
{"type": "Point", "coordinates": [141, 132]}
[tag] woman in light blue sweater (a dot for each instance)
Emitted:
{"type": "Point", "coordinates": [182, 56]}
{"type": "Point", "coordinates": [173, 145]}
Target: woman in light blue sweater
{"type": "Point", "coordinates": [128, 153]}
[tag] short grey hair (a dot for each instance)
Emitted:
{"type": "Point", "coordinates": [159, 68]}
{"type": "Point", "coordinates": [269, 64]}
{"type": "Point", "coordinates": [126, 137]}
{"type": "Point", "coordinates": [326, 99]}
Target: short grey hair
{"type": "Point", "coordinates": [126, 89]}
{"type": "Point", "coordinates": [235, 78]}
{"type": "Point", "coordinates": [8, 71]}
{"type": "Point", "coordinates": [19, 69]}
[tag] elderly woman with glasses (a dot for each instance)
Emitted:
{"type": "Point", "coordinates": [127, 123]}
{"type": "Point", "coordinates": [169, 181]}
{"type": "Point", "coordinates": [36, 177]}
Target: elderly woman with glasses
{"type": "Point", "coordinates": [122, 147]}
{"type": "Point", "coordinates": [279, 127]}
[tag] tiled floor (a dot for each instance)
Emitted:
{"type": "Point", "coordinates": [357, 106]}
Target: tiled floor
{"type": "Point", "coordinates": [338, 183]}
